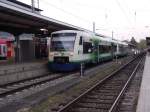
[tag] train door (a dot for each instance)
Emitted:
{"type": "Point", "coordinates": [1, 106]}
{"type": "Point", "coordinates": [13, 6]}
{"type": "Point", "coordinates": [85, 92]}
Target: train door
{"type": "Point", "coordinates": [95, 50]}
{"type": "Point", "coordinates": [3, 51]}
{"type": "Point", "coordinates": [80, 48]}
{"type": "Point", "coordinates": [113, 49]}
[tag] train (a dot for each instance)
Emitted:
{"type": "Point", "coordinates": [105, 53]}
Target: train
{"type": "Point", "coordinates": [148, 44]}
{"type": "Point", "coordinates": [69, 49]}
{"type": "Point", "coordinates": [6, 49]}
{"type": "Point", "coordinates": [3, 49]}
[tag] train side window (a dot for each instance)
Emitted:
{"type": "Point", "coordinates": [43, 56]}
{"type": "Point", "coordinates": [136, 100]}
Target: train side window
{"type": "Point", "coordinates": [115, 48]}
{"type": "Point", "coordinates": [87, 47]}
{"type": "Point", "coordinates": [4, 49]}
{"type": "Point", "coordinates": [81, 40]}
{"type": "Point", "coordinates": [104, 49]}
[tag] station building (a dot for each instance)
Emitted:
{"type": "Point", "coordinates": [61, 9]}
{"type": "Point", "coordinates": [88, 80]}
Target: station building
{"type": "Point", "coordinates": [29, 41]}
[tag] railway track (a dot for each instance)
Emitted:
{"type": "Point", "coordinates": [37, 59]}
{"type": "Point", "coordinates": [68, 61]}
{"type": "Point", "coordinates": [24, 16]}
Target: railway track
{"type": "Point", "coordinates": [105, 95]}
{"type": "Point", "coordinates": [129, 100]}
{"type": "Point", "coordinates": [11, 88]}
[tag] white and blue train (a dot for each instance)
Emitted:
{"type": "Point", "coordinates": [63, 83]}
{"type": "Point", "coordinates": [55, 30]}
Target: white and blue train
{"type": "Point", "coordinates": [70, 48]}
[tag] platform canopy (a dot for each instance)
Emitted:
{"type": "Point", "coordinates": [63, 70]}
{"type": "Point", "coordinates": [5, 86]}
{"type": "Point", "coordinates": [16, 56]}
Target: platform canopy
{"type": "Point", "coordinates": [16, 20]}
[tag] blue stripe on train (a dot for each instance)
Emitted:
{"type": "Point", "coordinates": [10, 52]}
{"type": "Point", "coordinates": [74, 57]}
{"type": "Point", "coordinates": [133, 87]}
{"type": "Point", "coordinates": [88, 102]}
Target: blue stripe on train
{"type": "Point", "coordinates": [63, 66]}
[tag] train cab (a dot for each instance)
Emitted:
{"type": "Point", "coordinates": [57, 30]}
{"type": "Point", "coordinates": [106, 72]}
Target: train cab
{"type": "Point", "coordinates": [62, 50]}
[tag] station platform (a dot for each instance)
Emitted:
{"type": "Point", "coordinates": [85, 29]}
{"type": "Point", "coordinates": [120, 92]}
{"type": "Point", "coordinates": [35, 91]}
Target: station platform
{"type": "Point", "coordinates": [11, 72]}
{"type": "Point", "coordinates": [144, 95]}
{"type": "Point", "coordinates": [12, 63]}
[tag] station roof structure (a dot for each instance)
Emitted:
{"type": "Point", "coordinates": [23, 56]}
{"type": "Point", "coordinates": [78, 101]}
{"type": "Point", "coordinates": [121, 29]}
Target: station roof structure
{"type": "Point", "coordinates": [15, 17]}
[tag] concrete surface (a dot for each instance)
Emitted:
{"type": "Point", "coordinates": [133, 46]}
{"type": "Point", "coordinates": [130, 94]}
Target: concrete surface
{"type": "Point", "coordinates": [15, 72]}
{"type": "Point", "coordinates": [144, 97]}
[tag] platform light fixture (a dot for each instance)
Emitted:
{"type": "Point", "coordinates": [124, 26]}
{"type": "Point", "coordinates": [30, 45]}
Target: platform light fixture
{"type": "Point", "coordinates": [43, 29]}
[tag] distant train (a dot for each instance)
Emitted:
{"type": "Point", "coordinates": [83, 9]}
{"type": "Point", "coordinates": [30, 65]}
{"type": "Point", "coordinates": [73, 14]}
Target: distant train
{"type": "Point", "coordinates": [3, 49]}
{"type": "Point", "coordinates": [148, 44]}
{"type": "Point", "coordinates": [70, 48]}
{"type": "Point", "coordinates": [6, 49]}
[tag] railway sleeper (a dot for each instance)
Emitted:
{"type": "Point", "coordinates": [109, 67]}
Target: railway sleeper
{"type": "Point", "coordinates": [97, 101]}
{"type": "Point", "coordinates": [103, 97]}
{"type": "Point", "coordinates": [107, 93]}
{"type": "Point", "coordinates": [112, 87]}
{"type": "Point", "coordinates": [126, 108]}
{"type": "Point", "coordinates": [114, 84]}
{"type": "Point", "coordinates": [93, 105]}
{"type": "Point", "coordinates": [80, 109]}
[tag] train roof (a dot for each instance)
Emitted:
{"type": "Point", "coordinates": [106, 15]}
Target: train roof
{"type": "Point", "coordinates": [3, 41]}
{"type": "Point", "coordinates": [98, 36]}
{"type": "Point", "coordinates": [68, 31]}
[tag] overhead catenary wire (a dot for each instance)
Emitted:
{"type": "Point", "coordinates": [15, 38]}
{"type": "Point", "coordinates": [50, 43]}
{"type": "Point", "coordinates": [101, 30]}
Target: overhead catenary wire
{"type": "Point", "coordinates": [66, 12]}
{"type": "Point", "coordinates": [123, 11]}
{"type": "Point", "coordinates": [76, 16]}
{"type": "Point", "coordinates": [132, 12]}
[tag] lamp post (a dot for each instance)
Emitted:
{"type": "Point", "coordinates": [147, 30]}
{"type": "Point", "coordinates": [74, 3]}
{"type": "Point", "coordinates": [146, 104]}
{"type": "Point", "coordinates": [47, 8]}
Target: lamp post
{"type": "Point", "coordinates": [33, 5]}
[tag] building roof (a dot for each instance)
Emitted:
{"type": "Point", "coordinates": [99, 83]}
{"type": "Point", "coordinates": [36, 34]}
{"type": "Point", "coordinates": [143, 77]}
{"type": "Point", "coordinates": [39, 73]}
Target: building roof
{"type": "Point", "coordinates": [6, 35]}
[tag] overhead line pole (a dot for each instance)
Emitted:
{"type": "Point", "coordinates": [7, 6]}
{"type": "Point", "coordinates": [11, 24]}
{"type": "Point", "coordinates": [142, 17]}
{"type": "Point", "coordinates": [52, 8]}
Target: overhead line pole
{"type": "Point", "coordinates": [135, 17]}
{"type": "Point", "coordinates": [32, 5]}
{"type": "Point", "coordinates": [112, 34]}
{"type": "Point", "coordinates": [38, 4]}
{"type": "Point", "coordinates": [93, 27]}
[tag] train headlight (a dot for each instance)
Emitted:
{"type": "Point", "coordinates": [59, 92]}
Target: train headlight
{"type": "Point", "coordinates": [51, 54]}
{"type": "Point", "coordinates": [70, 54]}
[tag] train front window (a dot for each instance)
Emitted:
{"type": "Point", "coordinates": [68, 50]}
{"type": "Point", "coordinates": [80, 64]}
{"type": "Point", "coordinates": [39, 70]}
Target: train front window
{"type": "Point", "coordinates": [63, 42]}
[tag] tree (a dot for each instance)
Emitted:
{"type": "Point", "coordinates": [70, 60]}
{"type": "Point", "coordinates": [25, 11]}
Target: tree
{"type": "Point", "coordinates": [142, 44]}
{"type": "Point", "coordinates": [133, 41]}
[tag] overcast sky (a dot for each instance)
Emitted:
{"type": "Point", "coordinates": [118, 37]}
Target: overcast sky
{"type": "Point", "coordinates": [126, 18]}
